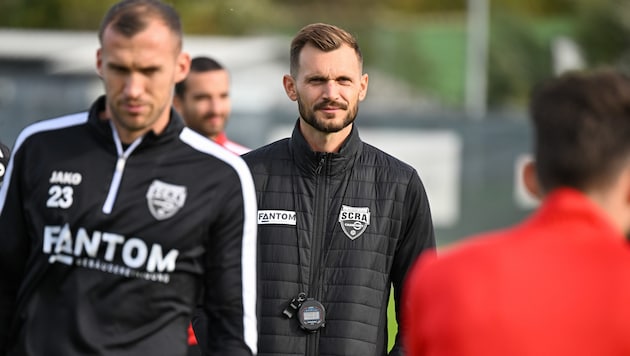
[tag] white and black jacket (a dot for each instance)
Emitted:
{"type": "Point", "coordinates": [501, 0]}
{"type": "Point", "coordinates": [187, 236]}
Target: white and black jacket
{"type": "Point", "coordinates": [342, 228]}
{"type": "Point", "coordinates": [106, 250]}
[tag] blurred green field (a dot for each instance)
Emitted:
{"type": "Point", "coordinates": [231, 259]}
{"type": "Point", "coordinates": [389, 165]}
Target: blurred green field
{"type": "Point", "coordinates": [392, 326]}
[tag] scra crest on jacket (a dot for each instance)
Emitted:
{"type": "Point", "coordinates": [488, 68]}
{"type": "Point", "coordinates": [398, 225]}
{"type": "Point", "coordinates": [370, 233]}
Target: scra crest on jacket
{"type": "Point", "coordinates": [165, 199]}
{"type": "Point", "coordinates": [354, 220]}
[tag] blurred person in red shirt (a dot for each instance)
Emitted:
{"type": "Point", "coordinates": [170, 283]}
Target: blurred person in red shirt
{"type": "Point", "coordinates": [557, 283]}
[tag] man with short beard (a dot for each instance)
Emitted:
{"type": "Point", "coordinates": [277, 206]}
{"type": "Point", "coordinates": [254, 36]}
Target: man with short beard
{"type": "Point", "coordinates": [339, 221]}
{"type": "Point", "coordinates": [203, 101]}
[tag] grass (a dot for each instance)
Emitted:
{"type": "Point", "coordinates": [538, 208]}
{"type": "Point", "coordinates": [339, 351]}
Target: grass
{"type": "Point", "coordinates": [392, 325]}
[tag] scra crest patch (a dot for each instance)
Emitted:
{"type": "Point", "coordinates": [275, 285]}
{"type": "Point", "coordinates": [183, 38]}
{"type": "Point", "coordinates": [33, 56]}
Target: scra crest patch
{"type": "Point", "coordinates": [165, 199]}
{"type": "Point", "coordinates": [354, 220]}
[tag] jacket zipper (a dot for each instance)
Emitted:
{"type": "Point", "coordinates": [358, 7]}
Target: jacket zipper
{"type": "Point", "coordinates": [119, 169]}
{"type": "Point", "coordinates": [317, 242]}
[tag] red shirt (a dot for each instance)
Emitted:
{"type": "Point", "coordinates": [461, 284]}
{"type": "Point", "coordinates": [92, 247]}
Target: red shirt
{"type": "Point", "coordinates": [232, 146]}
{"type": "Point", "coordinates": [557, 284]}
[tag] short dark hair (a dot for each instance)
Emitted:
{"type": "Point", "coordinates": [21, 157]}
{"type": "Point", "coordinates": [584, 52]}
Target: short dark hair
{"type": "Point", "coordinates": [324, 37]}
{"type": "Point", "coordinates": [198, 65]}
{"type": "Point", "coordinates": [129, 17]}
{"type": "Point", "coordinates": [582, 128]}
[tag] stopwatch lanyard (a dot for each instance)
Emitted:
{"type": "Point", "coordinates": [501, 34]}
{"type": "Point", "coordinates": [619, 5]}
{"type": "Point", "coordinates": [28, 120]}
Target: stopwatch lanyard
{"type": "Point", "coordinates": [326, 243]}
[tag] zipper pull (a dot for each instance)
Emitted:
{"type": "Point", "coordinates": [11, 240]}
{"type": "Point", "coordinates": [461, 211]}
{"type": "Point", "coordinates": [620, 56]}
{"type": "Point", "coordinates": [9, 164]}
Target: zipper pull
{"type": "Point", "coordinates": [120, 164]}
{"type": "Point", "coordinates": [322, 160]}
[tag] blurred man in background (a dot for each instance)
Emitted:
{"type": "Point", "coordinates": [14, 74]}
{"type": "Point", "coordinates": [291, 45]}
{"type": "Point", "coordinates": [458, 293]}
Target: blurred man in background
{"type": "Point", "coordinates": [203, 100]}
{"type": "Point", "coordinates": [558, 283]}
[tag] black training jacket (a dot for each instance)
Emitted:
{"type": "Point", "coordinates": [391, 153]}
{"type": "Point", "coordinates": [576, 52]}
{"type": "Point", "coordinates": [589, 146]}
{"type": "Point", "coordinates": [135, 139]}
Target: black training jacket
{"type": "Point", "coordinates": [104, 253]}
{"type": "Point", "coordinates": [342, 228]}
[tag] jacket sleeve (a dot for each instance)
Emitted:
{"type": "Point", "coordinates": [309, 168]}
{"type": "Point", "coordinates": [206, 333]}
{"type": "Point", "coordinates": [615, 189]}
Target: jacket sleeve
{"type": "Point", "coordinates": [226, 323]}
{"type": "Point", "coordinates": [417, 236]}
{"type": "Point", "coordinates": [14, 244]}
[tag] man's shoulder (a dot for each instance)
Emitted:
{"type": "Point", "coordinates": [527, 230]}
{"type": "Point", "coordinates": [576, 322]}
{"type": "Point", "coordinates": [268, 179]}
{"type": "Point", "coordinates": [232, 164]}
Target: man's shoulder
{"type": "Point", "coordinates": [235, 147]}
{"type": "Point", "coordinates": [51, 124]}
{"type": "Point", "coordinates": [385, 166]}
{"type": "Point", "coordinates": [269, 151]}
{"type": "Point", "coordinates": [206, 150]}
{"type": "Point", "coordinates": [379, 157]}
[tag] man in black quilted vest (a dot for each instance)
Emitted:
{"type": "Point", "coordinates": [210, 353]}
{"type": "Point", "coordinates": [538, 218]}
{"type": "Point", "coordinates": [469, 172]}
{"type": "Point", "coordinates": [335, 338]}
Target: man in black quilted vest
{"type": "Point", "coordinates": [339, 221]}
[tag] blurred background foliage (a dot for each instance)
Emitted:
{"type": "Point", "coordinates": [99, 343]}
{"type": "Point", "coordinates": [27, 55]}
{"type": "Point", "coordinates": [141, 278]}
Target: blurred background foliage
{"type": "Point", "coordinates": [422, 42]}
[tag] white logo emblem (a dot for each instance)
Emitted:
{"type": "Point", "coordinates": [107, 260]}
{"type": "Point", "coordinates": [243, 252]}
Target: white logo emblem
{"type": "Point", "coordinates": [165, 199]}
{"type": "Point", "coordinates": [354, 221]}
{"type": "Point", "coordinates": [279, 217]}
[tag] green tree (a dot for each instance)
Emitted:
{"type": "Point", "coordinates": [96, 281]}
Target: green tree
{"type": "Point", "coordinates": [52, 14]}
{"type": "Point", "coordinates": [420, 41]}
{"type": "Point", "coordinates": [603, 31]}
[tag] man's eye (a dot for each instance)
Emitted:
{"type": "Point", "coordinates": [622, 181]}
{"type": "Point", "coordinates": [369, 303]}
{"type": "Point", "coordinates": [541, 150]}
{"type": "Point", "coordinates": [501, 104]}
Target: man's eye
{"type": "Point", "coordinates": [149, 71]}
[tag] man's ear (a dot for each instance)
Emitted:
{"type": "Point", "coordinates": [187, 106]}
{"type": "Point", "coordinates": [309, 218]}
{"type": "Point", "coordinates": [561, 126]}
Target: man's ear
{"type": "Point", "coordinates": [289, 87]}
{"type": "Point", "coordinates": [182, 66]}
{"type": "Point", "coordinates": [364, 86]}
{"type": "Point", "coordinates": [530, 179]}
{"type": "Point", "coordinates": [99, 62]}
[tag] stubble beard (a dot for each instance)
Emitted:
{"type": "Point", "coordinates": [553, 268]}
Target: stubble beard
{"type": "Point", "coordinates": [201, 123]}
{"type": "Point", "coordinates": [323, 125]}
{"type": "Point", "coordinates": [132, 123]}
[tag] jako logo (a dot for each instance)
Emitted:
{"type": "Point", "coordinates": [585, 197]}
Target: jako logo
{"type": "Point", "coordinates": [67, 178]}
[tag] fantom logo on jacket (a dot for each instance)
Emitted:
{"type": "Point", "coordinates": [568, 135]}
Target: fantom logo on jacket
{"type": "Point", "coordinates": [354, 220]}
{"type": "Point", "coordinates": [109, 252]}
{"type": "Point", "coordinates": [165, 199]}
{"type": "Point", "coordinates": [279, 217]}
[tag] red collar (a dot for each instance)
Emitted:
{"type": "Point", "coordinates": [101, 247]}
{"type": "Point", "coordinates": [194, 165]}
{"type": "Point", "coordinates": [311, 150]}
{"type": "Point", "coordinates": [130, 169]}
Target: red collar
{"type": "Point", "coordinates": [567, 204]}
{"type": "Point", "coordinates": [221, 139]}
